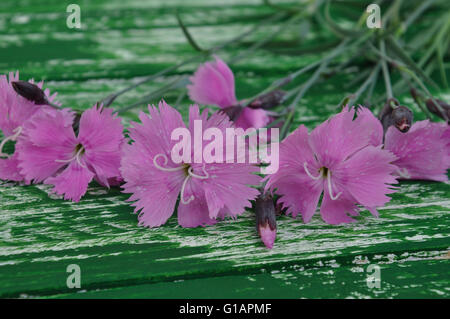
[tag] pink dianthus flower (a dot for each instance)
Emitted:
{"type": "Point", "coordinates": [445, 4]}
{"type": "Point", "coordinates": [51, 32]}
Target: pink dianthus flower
{"type": "Point", "coordinates": [207, 191]}
{"type": "Point", "coordinates": [213, 83]}
{"type": "Point", "coordinates": [338, 159]}
{"type": "Point", "coordinates": [422, 153]}
{"type": "Point", "coordinates": [15, 110]}
{"type": "Point", "coordinates": [51, 152]}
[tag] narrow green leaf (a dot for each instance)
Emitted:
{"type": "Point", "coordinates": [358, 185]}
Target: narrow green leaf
{"type": "Point", "coordinates": [403, 56]}
{"type": "Point", "coordinates": [335, 27]}
{"type": "Point", "coordinates": [187, 34]}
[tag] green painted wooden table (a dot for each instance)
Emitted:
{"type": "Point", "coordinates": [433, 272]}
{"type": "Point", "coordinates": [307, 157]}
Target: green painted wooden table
{"type": "Point", "coordinates": [122, 41]}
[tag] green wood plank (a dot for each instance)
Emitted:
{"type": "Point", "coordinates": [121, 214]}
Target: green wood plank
{"type": "Point", "coordinates": [319, 280]}
{"type": "Point", "coordinates": [126, 47]}
{"type": "Point", "coordinates": [41, 238]}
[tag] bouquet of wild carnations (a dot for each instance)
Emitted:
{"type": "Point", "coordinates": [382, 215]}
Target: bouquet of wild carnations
{"type": "Point", "coordinates": [241, 155]}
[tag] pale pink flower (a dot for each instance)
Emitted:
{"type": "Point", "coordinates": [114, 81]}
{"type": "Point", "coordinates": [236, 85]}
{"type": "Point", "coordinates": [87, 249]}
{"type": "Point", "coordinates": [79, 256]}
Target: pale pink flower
{"type": "Point", "coordinates": [15, 110]}
{"type": "Point", "coordinates": [51, 152]}
{"type": "Point", "coordinates": [207, 191]}
{"type": "Point", "coordinates": [422, 153]}
{"type": "Point", "coordinates": [213, 84]}
{"type": "Point", "coordinates": [338, 159]}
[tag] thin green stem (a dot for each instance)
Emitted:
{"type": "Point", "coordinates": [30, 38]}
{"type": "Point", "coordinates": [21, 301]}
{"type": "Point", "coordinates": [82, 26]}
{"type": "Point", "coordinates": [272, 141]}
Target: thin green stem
{"type": "Point", "coordinates": [442, 47]}
{"type": "Point", "coordinates": [266, 39]}
{"type": "Point", "coordinates": [425, 89]}
{"type": "Point", "coordinates": [443, 25]}
{"type": "Point", "coordinates": [417, 13]}
{"type": "Point", "coordinates": [187, 34]}
{"type": "Point", "coordinates": [391, 13]}
{"type": "Point", "coordinates": [302, 89]}
{"type": "Point", "coordinates": [371, 89]}
{"type": "Point", "coordinates": [112, 97]}
{"type": "Point", "coordinates": [420, 105]}
{"type": "Point", "coordinates": [179, 82]}
{"type": "Point", "coordinates": [382, 55]}
{"type": "Point", "coordinates": [274, 18]}
{"type": "Point", "coordinates": [287, 124]}
{"type": "Point", "coordinates": [288, 79]}
{"type": "Point", "coordinates": [401, 86]}
{"type": "Point", "coordinates": [336, 28]}
{"type": "Point", "coordinates": [386, 76]}
{"type": "Point", "coordinates": [363, 87]}
{"type": "Point", "coordinates": [405, 58]}
{"type": "Point", "coordinates": [180, 97]}
{"type": "Point", "coordinates": [306, 86]}
{"type": "Point", "coordinates": [358, 78]}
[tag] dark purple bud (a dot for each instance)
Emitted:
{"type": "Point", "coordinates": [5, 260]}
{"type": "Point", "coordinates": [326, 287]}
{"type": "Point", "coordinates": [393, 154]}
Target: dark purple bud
{"type": "Point", "coordinates": [266, 223]}
{"type": "Point", "coordinates": [402, 118]}
{"type": "Point", "coordinates": [30, 91]}
{"type": "Point", "coordinates": [268, 101]}
{"type": "Point", "coordinates": [232, 112]}
{"type": "Point", "coordinates": [76, 122]}
{"type": "Point", "coordinates": [397, 115]}
{"type": "Point", "coordinates": [434, 109]}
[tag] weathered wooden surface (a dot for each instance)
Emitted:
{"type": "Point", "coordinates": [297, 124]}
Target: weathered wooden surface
{"type": "Point", "coordinates": [41, 235]}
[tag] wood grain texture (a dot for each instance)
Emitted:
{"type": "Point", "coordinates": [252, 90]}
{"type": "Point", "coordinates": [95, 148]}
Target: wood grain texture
{"type": "Point", "coordinates": [40, 234]}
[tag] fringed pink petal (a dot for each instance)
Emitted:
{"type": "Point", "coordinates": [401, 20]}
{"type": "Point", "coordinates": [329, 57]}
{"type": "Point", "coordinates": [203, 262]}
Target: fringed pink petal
{"type": "Point", "coordinates": [213, 83]}
{"type": "Point", "coordinates": [367, 175]}
{"type": "Point", "coordinates": [422, 152]}
{"type": "Point", "coordinates": [72, 182]}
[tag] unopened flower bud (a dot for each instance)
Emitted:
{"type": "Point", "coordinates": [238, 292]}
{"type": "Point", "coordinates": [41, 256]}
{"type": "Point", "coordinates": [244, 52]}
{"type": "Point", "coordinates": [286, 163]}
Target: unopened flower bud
{"type": "Point", "coordinates": [232, 112]}
{"type": "Point", "coordinates": [434, 109]}
{"type": "Point", "coordinates": [30, 91]}
{"type": "Point", "coordinates": [402, 118]}
{"type": "Point", "coordinates": [266, 224]}
{"type": "Point", "coordinates": [399, 116]}
{"type": "Point", "coordinates": [268, 101]}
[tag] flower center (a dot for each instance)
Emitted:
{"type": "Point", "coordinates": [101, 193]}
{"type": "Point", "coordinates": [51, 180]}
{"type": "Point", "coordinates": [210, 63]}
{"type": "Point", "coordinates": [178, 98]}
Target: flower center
{"type": "Point", "coordinates": [188, 170]}
{"type": "Point", "coordinates": [324, 172]}
{"type": "Point", "coordinates": [79, 148]}
{"type": "Point", "coordinates": [78, 153]}
{"type": "Point", "coordinates": [17, 131]}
